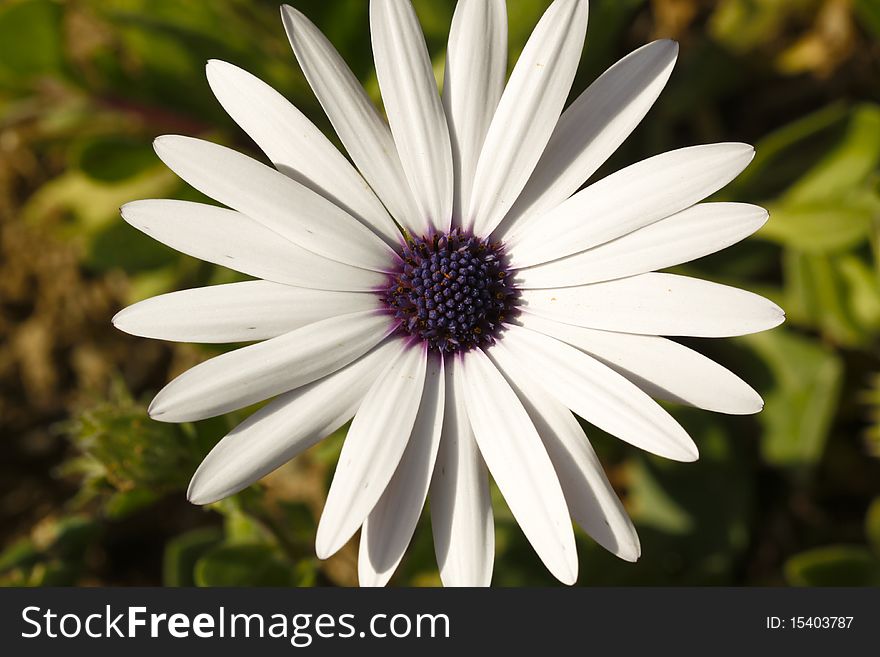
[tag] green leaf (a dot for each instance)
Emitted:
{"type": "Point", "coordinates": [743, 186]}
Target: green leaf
{"type": "Point", "coordinates": [241, 527]}
{"type": "Point", "coordinates": [71, 536]}
{"type": "Point", "coordinates": [151, 282]}
{"type": "Point", "coordinates": [868, 12]}
{"type": "Point", "coordinates": [820, 295]}
{"type": "Point", "coordinates": [31, 39]}
{"type": "Point", "coordinates": [89, 206]}
{"type": "Point", "coordinates": [802, 398]}
{"type": "Point", "coordinates": [845, 167]}
{"type": "Point", "coordinates": [54, 573]}
{"type": "Point", "coordinates": [687, 537]}
{"type": "Point", "coordinates": [817, 228]}
{"type": "Point", "coordinates": [434, 17]}
{"type": "Point", "coordinates": [169, 41]}
{"type": "Point", "coordinates": [242, 565]}
{"type": "Point", "coordinates": [521, 20]}
{"type": "Point", "coordinates": [864, 291]}
{"type": "Point", "coordinates": [870, 397]}
{"type": "Point", "coordinates": [20, 554]}
{"type": "Point", "coordinates": [836, 565]}
{"type": "Point", "coordinates": [116, 158]}
{"type": "Point", "coordinates": [742, 25]}
{"type": "Point", "coordinates": [651, 504]}
{"type": "Point", "coordinates": [305, 573]}
{"type": "Point", "coordinates": [788, 152]}
{"type": "Point", "coordinates": [182, 553]}
{"type": "Point", "coordinates": [120, 246]}
{"type": "Point", "coordinates": [124, 503]}
{"type": "Point", "coordinates": [299, 521]}
{"type": "Point", "coordinates": [327, 451]}
{"type": "Point", "coordinates": [122, 446]}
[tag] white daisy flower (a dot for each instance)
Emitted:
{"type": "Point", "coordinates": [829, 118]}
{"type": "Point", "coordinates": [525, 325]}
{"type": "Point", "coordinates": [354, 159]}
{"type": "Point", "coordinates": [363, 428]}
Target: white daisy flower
{"type": "Point", "coordinates": [453, 291]}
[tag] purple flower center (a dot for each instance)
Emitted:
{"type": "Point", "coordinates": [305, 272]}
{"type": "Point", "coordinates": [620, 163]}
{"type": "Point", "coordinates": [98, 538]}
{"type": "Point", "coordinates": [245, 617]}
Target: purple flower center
{"type": "Point", "coordinates": [453, 291]}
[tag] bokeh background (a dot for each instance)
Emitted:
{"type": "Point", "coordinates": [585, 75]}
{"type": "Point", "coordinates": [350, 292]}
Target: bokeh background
{"type": "Point", "coordinates": [92, 491]}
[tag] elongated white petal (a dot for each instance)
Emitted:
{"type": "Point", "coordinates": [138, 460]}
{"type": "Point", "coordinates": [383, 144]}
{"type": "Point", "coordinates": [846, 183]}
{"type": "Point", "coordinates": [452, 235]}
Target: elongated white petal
{"type": "Point", "coordinates": [518, 461]}
{"type": "Point", "coordinates": [626, 200]}
{"type": "Point", "coordinates": [476, 67]}
{"type": "Point", "coordinates": [361, 130]}
{"type": "Point", "coordinates": [662, 368]}
{"type": "Point", "coordinates": [685, 236]}
{"type": "Point", "coordinates": [236, 312]}
{"type": "Point", "coordinates": [591, 500]}
{"type": "Point", "coordinates": [461, 508]}
{"type": "Point", "coordinates": [414, 110]}
{"type": "Point", "coordinates": [658, 304]}
{"type": "Point", "coordinates": [595, 392]}
{"type": "Point", "coordinates": [527, 113]}
{"type": "Point", "coordinates": [286, 427]}
{"type": "Point", "coordinates": [592, 128]}
{"type": "Point", "coordinates": [278, 202]}
{"type": "Point", "coordinates": [374, 446]}
{"type": "Point", "coordinates": [245, 376]}
{"type": "Point", "coordinates": [230, 239]}
{"type": "Point", "coordinates": [296, 147]}
{"type": "Point", "coordinates": [389, 527]}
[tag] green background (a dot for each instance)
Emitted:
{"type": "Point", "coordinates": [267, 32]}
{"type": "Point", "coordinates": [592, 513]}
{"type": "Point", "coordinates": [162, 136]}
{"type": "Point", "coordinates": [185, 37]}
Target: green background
{"type": "Point", "coordinates": [92, 491]}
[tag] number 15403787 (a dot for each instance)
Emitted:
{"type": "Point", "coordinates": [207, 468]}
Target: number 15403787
{"type": "Point", "coordinates": [809, 622]}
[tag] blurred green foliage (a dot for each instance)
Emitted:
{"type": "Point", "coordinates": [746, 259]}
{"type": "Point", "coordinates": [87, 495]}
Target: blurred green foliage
{"type": "Point", "coordinates": [791, 496]}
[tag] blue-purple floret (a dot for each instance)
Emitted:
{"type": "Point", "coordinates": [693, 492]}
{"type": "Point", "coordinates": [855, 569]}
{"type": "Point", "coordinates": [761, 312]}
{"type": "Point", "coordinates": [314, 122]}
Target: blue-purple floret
{"type": "Point", "coordinates": [454, 291]}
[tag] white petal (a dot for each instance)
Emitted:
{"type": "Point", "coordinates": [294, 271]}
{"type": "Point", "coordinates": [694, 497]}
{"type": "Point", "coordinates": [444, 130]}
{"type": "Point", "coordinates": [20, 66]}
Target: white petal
{"type": "Point", "coordinates": [685, 236]}
{"type": "Point", "coordinates": [592, 502]}
{"type": "Point", "coordinates": [236, 312]}
{"type": "Point", "coordinates": [633, 197]}
{"type": "Point", "coordinates": [658, 304]}
{"type": "Point", "coordinates": [296, 147]}
{"type": "Point", "coordinates": [231, 239]}
{"type": "Point", "coordinates": [461, 508]}
{"type": "Point", "coordinates": [592, 128]}
{"type": "Point", "coordinates": [389, 527]}
{"type": "Point", "coordinates": [276, 201]}
{"type": "Point", "coordinates": [595, 392]}
{"type": "Point", "coordinates": [375, 443]}
{"type": "Point", "coordinates": [519, 464]}
{"type": "Point", "coordinates": [662, 368]}
{"type": "Point", "coordinates": [245, 376]}
{"type": "Point", "coordinates": [286, 427]}
{"type": "Point", "coordinates": [361, 130]}
{"type": "Point", "coordinates": [476, 67]}
{"type": "Point", "coordinates": [414, 110]}
{"type": "Point", "coordinates": [527, 113]}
